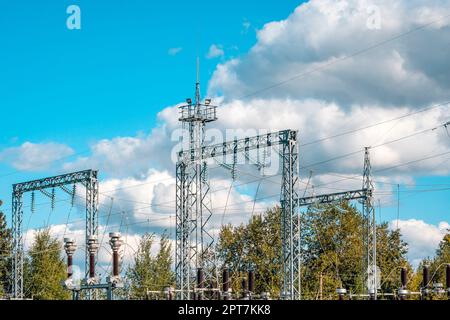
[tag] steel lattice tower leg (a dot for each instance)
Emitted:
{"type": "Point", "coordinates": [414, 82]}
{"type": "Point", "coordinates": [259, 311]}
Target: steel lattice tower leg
{"type": "Point", "coordinates": [17, 259]}
{"type": "Point", "coordinates": [289, 218]}
{"type": "Point", "coordinates": [182, 252]}
{"type": "Point", "coordinates": [91, 224]}
{"type": "Point", "coordinates": [91, 213]}
{"type": "Point", "coordinates": [369, 230]}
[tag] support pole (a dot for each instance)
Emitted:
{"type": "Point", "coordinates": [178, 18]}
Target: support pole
{"type": "Point", "coordinates": [115, 281]}
{"type": "Point", "coordinates": [425, 282]}
{"type": "Point", "coordinates": [244, 289]}
{"type": "Point", "coordinates": [226, 284]}
{"type": "Point", "coordinates": [289, 217]}
{"type": "Point", "coordinates": [403, 292]}
{"type": "Point", "coordinates": [369, 230]}
{"type": "Point", "coordinates": [69, 247]}
{"type": "Point", "coordinates": [200, 283]}
{"type": "Point", "coordinates": [447, 280]}
{"type": "Point", "coordinates": [251, 283]}
{"type": "Point", "coordinates": [92, 248]}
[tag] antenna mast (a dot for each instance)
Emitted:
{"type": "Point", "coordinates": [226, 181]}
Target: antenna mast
{"type": "Point", "coordinates": [194, 242]}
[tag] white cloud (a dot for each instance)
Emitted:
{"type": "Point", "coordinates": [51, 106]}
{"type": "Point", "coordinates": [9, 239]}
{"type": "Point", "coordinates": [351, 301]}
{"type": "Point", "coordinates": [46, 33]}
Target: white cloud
{"type": "Point", "coordinates": [422, 238]}
{"type": "Point", "coordinates": [174, 51]}
{"type": "Point", "coordinates": [215, 51]}
{"type": "Point", "coordinates": [35, 156]}
{"type": "Point", "coordinates": [413, 70]}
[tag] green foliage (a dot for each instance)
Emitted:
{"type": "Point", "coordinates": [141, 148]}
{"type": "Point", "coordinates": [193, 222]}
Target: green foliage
{"type": "Point", "coordinates": [5, 255]}
{"type": "Point", "coordinates": [437, 267]}
{"type": "Point", "coordinates": [332, 251]}
{"type": "Point", "coordinates": [255, 245]}
{"type": "Point", "coordinates": [149, 272]}
{"type": "Point", "coordinates": [44, 269]}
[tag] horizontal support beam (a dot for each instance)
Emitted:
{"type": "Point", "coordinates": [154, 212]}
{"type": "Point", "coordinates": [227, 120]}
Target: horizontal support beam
{"type": "Point", "coordinates": [331, 197]}
{"type": "Point", "coordinates": [238, 145]}
{"type": "Point", "coordinates": [53, 182]}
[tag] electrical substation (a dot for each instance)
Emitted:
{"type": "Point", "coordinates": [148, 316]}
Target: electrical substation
{"type": "Point", "coordinates": [197, 275]}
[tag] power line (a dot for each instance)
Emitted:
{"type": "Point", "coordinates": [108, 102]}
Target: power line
{"type": "Point", "coordinates": [375, 124]}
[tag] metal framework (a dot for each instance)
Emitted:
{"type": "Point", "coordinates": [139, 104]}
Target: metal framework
{"type": "Point", "coordinates": [365, 195]}
{"type": "Point", "coordinates": [194, 244]}
{"type": "Point", "coordinates": [88, 178]}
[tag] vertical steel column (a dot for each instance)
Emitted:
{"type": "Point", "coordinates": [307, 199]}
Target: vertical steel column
{"type": "Point", "coordinates": [289, 217]}
{"type": "Point", "coordinates": [183, 227]}
{"type": "Point", "coordinates": [91, 215]}
{"type": "Point", "coordinates": [17, 258]}
{"type": "Point", "coordinates": [369, 230]}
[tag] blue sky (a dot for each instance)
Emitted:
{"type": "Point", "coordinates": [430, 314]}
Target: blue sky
{"type": "Point", "coordinates": [112, 78]}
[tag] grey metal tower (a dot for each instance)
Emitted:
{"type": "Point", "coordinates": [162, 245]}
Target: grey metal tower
{"type": "Point", "coordinates": [369, 230]}
{"type": "Point", "coordinates": [194, 243]}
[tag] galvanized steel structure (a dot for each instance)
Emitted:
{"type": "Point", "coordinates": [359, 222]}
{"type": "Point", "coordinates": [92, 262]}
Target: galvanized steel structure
{"type": "Point", "coordinates": [88, 178]}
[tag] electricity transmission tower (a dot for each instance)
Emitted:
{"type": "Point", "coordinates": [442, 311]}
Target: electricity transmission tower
{"type": "Point", "coordinates": [194, 247]}
{"type": "Point", "coordinates": [194, 244]}
{"type": "Point", "coordinates": [90, 181]}
{"type": "Point", "coordinates": [369, 230]}
{"type": "Point", "coordinates": [365, 195]}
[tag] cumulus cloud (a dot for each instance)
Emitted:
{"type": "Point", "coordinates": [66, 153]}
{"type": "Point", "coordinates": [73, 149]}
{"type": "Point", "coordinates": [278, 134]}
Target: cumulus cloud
{"type": "Point", "coordinates": [422, 238]}
{"type": "Point", "coordinates": [215, 51]}
{"type": "Point", "coordinates": [35, 156]}
{"type": "Point", "coordinates": [319, 40]}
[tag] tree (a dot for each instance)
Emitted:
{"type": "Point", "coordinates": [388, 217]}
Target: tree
{"type": "Point", "coordinates": [331, 245]}
{"type": "Point", "coordinates": [150, 273]}
{"type": "Point", "coordinates": [45, 269]}
{"type": "Point", "coordinates": [256, 245]}
{"type": "Point", "coordinates": [5, 255]}
{"type": "Point", "coordinates": [333, 250]}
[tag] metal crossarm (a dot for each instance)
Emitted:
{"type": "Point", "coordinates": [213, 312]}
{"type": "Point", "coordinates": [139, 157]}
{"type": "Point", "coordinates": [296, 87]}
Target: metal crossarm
{"type": "Point", "coordinates": [235, 146]}
{"type": "Point", "coordinates": [332, 197]}
{"type": "Point", "coordinates": [53, 182]}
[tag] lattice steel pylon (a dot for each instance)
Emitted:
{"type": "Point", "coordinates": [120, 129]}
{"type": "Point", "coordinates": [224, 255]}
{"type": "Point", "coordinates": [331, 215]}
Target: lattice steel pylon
{"type": "Point", "coordinates": [88, 178]}
{"type": "Point", "coordinates": [369, 230]}
{"type": "Point", "coordinates": [186, 226]}
{"type": "Point", "coordinates": [290, 222]}
{"type": "Point", "coordinates": [194, 244]}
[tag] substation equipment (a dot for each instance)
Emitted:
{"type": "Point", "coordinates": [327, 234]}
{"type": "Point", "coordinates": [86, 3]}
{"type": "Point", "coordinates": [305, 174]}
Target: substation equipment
{"type": "Point", "coordinates": [194, 243]}
{"type": "Point", "coordinates": [88, 178]}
